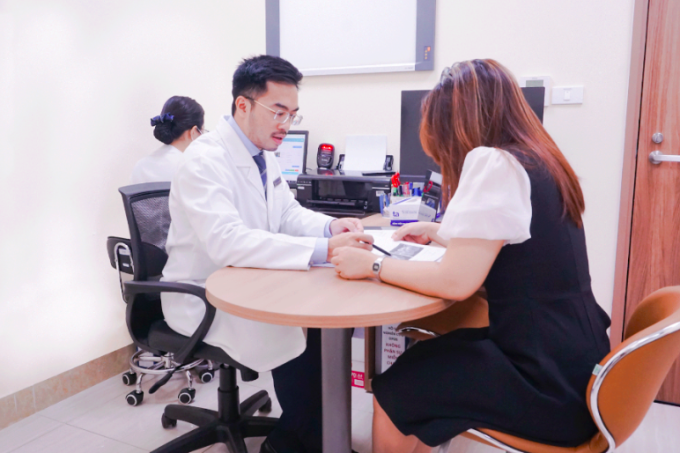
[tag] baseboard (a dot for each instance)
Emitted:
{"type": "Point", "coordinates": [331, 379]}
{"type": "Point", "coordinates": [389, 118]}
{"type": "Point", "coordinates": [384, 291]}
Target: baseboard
{"type": "Point", "coordinates": [46, 393]}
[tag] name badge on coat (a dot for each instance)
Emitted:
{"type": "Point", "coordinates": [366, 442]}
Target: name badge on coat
{"type": "Point", "coordinates": [277, 181]}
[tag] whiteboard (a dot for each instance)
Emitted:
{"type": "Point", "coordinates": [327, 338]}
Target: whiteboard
{"type": "Point", "coordinates": [352, 36]}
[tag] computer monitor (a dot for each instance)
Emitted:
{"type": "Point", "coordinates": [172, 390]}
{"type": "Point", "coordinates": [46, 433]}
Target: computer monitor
{"type": "Point", "coordinates": [414, 163]}
{"type": "Point", "coordinates": [292, 156]}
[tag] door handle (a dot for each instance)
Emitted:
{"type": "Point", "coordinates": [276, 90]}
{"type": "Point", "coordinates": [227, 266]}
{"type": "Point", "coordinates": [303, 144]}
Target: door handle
{"type": "Point", "coordinates": [656, 157]}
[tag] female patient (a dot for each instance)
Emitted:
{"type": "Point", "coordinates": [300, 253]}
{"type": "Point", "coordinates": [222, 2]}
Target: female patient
{"type": "Point", "coordinates": [513, 224]}
{"type": "Point", "coordinates": [179, 124]}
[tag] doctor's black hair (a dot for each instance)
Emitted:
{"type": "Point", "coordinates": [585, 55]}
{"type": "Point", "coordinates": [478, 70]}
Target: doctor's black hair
{"type": "Point", "coordinates": [179, 114]}
{"type": "Point", "coordinates": [251, 76]}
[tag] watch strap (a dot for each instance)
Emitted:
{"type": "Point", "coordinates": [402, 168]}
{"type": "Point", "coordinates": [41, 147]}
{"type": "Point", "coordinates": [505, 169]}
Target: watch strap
{"type": "Point", "coordinates": [377, 266]}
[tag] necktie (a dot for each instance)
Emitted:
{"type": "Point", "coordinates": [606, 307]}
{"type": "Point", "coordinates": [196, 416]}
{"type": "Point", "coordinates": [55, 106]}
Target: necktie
{"type": "Point", "coordinates": [259, 160]}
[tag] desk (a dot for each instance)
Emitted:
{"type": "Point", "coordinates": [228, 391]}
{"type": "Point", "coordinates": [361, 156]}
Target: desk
{"type": "Point", "coordinates": [319, 298]}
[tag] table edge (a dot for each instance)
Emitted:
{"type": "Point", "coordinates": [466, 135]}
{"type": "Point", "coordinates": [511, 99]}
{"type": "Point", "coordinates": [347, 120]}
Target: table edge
{"type": "Point", "coordinates": [335, 321]}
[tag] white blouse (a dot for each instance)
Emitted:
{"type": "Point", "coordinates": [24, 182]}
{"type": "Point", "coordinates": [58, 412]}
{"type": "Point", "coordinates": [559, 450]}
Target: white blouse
{"type": "Point", "coordinates": [158, 166]}
{"type": "Point", "coordinates": [493, 199]}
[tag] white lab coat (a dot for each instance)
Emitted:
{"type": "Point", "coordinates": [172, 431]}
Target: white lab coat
{"type": "Point", "coordinates": [220, 217]}
{"type": "Point", "coordinates": [158, 166]}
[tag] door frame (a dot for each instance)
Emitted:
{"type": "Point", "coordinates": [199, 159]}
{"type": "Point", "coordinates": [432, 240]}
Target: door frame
{"type": "Point", "coordinates": [630, 146]}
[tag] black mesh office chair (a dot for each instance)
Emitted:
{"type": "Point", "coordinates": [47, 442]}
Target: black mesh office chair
{"type": "Point", "coordinates": [146, 208]}
{"type": "Point", "coordinates": [143, 362]}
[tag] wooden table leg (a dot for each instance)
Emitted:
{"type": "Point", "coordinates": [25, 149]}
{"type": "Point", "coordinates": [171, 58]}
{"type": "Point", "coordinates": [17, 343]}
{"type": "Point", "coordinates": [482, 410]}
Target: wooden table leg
{"type": "Point", "coordinates": [336, 397]}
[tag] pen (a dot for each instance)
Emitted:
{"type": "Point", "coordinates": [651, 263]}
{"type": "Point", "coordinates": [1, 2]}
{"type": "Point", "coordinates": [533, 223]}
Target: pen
{"type": "Point", "coordinates": [379, 249]}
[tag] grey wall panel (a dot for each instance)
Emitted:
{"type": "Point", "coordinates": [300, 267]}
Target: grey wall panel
{"type": "Point", "coordinates": [273, 22]}
{"type": "Point", "coordinates": [425, 21]}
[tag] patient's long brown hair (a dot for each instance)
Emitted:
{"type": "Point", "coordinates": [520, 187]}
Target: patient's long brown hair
{"type": "Point", "coordinates": [478, 103]}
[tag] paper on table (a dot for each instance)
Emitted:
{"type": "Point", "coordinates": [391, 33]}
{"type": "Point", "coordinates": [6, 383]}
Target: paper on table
{"type": "Point", "coordinates": [404, 250]}
{"type": "Point", "coordinates": [365, 152]}
{"type": "Point", "coordinates": [400, 249]}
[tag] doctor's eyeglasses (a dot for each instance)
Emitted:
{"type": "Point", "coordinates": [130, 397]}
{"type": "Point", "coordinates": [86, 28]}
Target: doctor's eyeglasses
{"type": "Point", "coordinates": [280, 116]}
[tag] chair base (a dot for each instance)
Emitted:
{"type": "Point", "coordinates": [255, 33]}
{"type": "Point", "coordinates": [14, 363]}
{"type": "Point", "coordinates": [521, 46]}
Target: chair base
{"type": "Point", "coordinates": [230, 424]}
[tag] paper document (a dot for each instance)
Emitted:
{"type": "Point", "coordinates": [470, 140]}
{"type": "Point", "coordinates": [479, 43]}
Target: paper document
{"type": "Point", "coordinates": [404, 250]}
{"type": "Point", "coordinates": [400, 250]}
{"type": "Point", "coordinates": [365, 152]}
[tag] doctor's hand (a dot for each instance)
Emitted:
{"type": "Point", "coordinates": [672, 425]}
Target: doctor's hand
{"type": "Point", "coordinates": [346, 225]}
{"type": "Point", "coordinates": [353, 263]}
{"type": "Point", "coordinates": [358, 240]}
{"type": "Point", "coordinates": [419, 232]}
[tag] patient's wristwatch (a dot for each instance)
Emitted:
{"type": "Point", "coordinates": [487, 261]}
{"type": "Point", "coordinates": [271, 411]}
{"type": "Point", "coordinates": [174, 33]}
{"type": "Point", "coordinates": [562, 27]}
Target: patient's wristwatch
{"type": "Point", "coordinates": [377, 265]}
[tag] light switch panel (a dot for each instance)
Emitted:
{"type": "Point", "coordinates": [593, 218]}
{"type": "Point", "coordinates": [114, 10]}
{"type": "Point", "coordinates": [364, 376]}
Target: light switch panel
{"type": "Point", "coordinates": [567, 95]}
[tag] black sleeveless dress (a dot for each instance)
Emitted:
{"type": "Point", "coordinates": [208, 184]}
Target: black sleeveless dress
{"type": "Point", "coordinates": [527, 373]}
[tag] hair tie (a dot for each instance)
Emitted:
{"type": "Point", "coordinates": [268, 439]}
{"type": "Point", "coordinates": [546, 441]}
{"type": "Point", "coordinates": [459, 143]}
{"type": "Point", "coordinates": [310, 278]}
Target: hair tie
{"type": "Point", "coordinates": [166, 117]}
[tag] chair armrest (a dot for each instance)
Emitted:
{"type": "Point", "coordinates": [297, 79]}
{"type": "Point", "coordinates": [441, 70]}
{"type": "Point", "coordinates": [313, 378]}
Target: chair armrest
{"type": "Point", "coordinates": [135, 287]}
{"type": "Point", "coordinates": [112, 244]}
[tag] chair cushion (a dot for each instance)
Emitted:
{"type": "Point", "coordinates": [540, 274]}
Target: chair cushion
{"type": "Point", "coordinates": [163, 338]}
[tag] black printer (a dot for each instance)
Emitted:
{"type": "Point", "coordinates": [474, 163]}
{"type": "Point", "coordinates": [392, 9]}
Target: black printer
{"type": "Point", "coordinates": [341, 193]}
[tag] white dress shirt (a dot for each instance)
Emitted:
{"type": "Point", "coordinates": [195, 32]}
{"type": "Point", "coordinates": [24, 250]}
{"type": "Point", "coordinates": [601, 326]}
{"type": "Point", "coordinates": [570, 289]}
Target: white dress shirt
{"type": "Point", "coordinates": [493, 199]}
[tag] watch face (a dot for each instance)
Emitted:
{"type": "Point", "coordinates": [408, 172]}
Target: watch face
{"type": "Point", "coordinates": [376, 267]}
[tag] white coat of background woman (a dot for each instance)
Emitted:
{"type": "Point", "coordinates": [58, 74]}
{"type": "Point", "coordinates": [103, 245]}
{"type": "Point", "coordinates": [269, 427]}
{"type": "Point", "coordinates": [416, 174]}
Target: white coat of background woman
{"type": "Point", "coordinates": [179, 124]}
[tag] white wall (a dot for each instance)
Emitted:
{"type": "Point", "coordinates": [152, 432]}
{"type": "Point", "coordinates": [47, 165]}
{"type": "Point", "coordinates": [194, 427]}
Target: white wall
{"type": "Point", "coordinates": [85, 77]}
{"type": "Point", "coordinates": [79, 81]}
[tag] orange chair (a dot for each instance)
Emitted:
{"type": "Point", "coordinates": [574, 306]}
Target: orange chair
{"type": "Point", "coordinates": [623, 385]}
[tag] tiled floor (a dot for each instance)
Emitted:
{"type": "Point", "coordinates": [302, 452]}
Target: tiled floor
{"type": "Point", "coordinates": [99, 420]}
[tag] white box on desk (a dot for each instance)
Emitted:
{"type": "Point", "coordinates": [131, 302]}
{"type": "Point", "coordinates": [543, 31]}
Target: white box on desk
{"type": "Point", "coordinates": [403, 209]}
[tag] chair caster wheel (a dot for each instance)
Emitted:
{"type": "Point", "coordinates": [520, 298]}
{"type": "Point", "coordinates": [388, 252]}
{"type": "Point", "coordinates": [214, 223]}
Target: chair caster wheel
{"type": "Point", "coordinates": [134, 399]}
{"type": "Point", "coordinates": [186, 396]}
{"type": "Point", "coordinates": [206, 376]}
{"type": "Point", "coordinates": [168, 422]}
{"type": "Point", "coordinates": [129, 378]}
{"type": "Point", "coordinates": [267, 408]}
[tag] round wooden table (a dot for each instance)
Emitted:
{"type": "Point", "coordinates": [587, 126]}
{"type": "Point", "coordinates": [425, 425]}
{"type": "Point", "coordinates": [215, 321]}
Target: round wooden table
{"type": "Point", "coordinates": [319, 298]}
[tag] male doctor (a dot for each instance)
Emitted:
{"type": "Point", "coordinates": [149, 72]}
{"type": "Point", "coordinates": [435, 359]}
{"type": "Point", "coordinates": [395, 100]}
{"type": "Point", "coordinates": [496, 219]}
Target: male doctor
{"type": "Point", "coordinates": [230, 206]}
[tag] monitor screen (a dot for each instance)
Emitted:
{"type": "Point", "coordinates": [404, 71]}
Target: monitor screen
{"type": "Point", "coordinates": [414, 163]}
{"type": "Point", "coordinates": [292, 156]}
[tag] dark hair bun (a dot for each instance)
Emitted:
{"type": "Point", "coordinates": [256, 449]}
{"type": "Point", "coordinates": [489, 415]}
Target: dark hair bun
{"type": "Point", "coordinates": [179, 114]}
{"type": "Point", "coordinates": [163, 132]}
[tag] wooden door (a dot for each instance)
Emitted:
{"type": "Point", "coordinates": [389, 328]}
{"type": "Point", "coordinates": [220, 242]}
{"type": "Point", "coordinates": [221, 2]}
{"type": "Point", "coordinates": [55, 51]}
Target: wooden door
{"type": "Point", "coordinates": [654, 260]}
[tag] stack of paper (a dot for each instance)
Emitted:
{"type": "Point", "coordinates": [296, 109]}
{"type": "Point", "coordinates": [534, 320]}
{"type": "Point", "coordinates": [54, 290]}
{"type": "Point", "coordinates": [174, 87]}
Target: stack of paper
{"type": "Point", "coordinates": [404, 250]}
{"type": "Point", "coordinates": [400, 250]}
{"type": "Point", "coordinates": [365, 152]}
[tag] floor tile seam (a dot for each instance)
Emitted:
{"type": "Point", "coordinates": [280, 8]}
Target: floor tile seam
{"type": "Point", "coordinates": [38, 437]}
{"type": "Point", "coordinates": [104, 436]}
{"type": "Point", "coordinates": [80, 415]}
{"type": "Point", "coordinates": [248, 384]}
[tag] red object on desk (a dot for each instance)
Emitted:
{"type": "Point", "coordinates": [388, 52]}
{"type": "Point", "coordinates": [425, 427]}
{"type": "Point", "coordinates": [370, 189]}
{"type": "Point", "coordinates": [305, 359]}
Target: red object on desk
{"type": "Point", "coordinates": [395, 180]}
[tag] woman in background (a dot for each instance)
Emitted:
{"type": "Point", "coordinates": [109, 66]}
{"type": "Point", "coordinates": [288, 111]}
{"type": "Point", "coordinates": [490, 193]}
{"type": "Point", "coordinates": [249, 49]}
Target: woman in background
{"type": "Point", "coordinates": [512, 224]}
{"type": "Point", "coordinates": [179, 124]}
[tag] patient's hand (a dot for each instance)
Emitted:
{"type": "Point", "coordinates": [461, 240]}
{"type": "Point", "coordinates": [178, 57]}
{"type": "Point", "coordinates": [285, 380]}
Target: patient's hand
{"type": "Point", "coordinates": [346, 225]}
{"type": "Point", "coordinates": [350, 240]}
{"type": "Point", "coordinates": [420, 233]}
{"type": "Point", "coordinates": [353, 263]}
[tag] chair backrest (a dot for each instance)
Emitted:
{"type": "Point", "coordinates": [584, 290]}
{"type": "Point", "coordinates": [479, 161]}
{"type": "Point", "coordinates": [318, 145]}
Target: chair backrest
{"type": "Point", "coordinates": [148, 216]}
{"type": "Point", "coordinates": [628, 379]}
